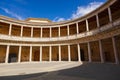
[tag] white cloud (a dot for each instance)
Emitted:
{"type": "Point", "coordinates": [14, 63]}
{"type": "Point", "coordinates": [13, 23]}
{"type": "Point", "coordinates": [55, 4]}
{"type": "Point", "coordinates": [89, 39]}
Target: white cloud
{"type": "Point", "coordinates": [58, 19]}
{"type": "Point", "coordinates": [12, 14]}
{"type": "Point", "coordinates": [82, 10]}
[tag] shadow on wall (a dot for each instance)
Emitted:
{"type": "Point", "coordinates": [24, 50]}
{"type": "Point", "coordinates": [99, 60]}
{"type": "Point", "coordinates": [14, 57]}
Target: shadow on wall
{"type": "Point", "coordinates": [87, 71]}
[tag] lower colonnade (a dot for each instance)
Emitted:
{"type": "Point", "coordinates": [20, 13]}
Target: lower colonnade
{"type": "Point", "coordinates": [104, 50]}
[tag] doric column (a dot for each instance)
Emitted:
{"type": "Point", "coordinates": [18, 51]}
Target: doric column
{"type": "Point", "coordinates": [50, 53]}
{"type": "Point", "coordinates": [10, 29]}
{"type": "Point", "coordinates": [101, 52]}
{"type": "Point", "coordinates": [7, 54]}
{"type": "Point", "coordinates": [41, 31]}
{"type": "Point", "coordinates": [40, 53]}
{"type": "Point", "coordinates": [89, 52]}
{"type": "Point", "coordinates": [68, 30]}
{"type": "Point", "coordinates": [97, 20]}
{"type": "Point", "coordinates": [30, 59]}
{"type": "Point", "coordinates": [87, 26]}
{"type": "Point", "coordinates": [79, 53]}
{"type": "Point", "coordinates": [69, 55]}
{"type": "Point", "coordinates": [109, 13]}
{"type": "Point", "coordinates": [59, 31]}
{"type": "Point", "coordinates": [115, 51]}
{"type": "Point", "coordinates": [19, 54]}
{"type": "Point", "coordinates": [31, 31]}
{"type": "Point", "coordinates": [77, 28]}
{"type": "Point", "coordinates": [59, 52]}
{"type": "Point", "coordinates": [21, 33]}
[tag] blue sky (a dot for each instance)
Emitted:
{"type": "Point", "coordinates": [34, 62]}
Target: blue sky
{"type": "Point", "coordinates": [55, 10]}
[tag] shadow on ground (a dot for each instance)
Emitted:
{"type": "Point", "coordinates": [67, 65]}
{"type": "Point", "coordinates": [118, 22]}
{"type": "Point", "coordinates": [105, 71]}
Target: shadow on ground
{"type": "Point", "coordinates": [86, 71]}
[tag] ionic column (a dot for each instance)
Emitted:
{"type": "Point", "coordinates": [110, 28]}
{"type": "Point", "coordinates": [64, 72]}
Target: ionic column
{"type": "Point", "coordinates": [50, 32]}
{"type": "Point", "coordinates": [7, 54]}
{"type": "Point", "coordinates": [40, 53]}
{"type": "Point", "coordinates": [21, 33]}
{"type": "Point", "coordinates": [50, 53]}
{"type": "Point", "coordinates": [19, 55]}
{"type": "Point", "coordinates": [109, 13]}
{"type": "Point", "coordinates": [89, 52]}
{"type": "Point", "coordinates": [59, 52]}
{"type": "Point", "coordinates": [101, 52]}
{"type": "Point", "coordinates": [97, 18]}
{"type": "Point", "coordinates": [68, 30]}
{"type": "Point", "coordinates": [31, 31]}
{"type": "Point", "coordinates": [30, 59]}
{"type": "Point", "coordinates": [10, 29]}
{"type": "Point", "coordinates": [59, 31]}
{"type": "Point", "coordinates": [41, 31]}
{"type": "Point", "coordinates": [79, 53]}
{"type": "Point", "coordinates": [77, 28]}
{"type": "Point", "coordinates": [69, 55]}
{"type": "Point", "coordinates": [115, 51]}
{"type": "Point", "coordinates": [87, 26]}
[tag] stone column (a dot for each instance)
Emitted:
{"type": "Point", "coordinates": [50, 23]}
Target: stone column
{"type": "Point", "coordinates": [79, 53]}
{"type": "Point", "coordinates": [7, 54]}
{"type": "Point", "coordinates": [77, 28]}
{"type": "Point", "coordinates": [59, 31]}
{"type": "Point", "coordinates": [89, 52]}
{"type": "Point", "coordinates": [59, 52]}
{"type": "Point", "coordinates": [68, 30]}
{"type": "Point", "coordinates": [41, 31]}
{"type": "Point", "coordinates": [50, 32]}
{"type": "Point", "coordinates": [50, 53]}
{"type": "Point", "coordinates": [21, 33]}
{"type": "Point", "coordinates": [19, 55]}
{"type": "Point", "coordinates": [40, 53]}
{"type": "Point", "coordinates": [10, 29]}
{"type": "Point", "coordinates": [30, 59]}
{"type": "Point", "coordinates": [31, 31]}
{"type": "Point", "coordinates": [87, 26]}
{"type": "Point", "coordinates": [101, 52]}
{"type": "Point", "coordinates": [109, 13]}
{"type": "Point", "coordinates": [97, 20]}
{"type": "Point", "coordinates": [69, 55]}
{"type": "Point", "coordinates": [115, 51]}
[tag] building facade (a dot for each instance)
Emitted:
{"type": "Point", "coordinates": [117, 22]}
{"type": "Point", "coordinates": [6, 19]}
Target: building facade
{"type": "Point", "coordinates": [94, 37]}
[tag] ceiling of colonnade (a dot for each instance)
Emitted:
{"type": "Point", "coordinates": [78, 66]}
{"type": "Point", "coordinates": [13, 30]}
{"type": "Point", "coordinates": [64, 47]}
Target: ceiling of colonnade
{"type": "Point", "coordinates": [54, 10]}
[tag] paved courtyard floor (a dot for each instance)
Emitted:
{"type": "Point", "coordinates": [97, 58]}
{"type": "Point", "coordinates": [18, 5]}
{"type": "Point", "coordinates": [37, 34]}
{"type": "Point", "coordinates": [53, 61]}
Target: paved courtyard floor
{"type": "Point", "coordinates": [86, 71]}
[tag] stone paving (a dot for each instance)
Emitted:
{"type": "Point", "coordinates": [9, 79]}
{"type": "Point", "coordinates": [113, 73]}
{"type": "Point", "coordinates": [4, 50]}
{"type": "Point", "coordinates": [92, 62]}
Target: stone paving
{"type": "Point", "coordinates": [86, 71]}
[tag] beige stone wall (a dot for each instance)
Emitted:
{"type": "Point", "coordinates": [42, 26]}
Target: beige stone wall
{"type": "Point", "coordinates": [64, 53]}
{"type": "Point", "coordinates": [55, 53]}
{"type": "Point", "coordinates": [2, 53]}
{"type": "Point", "coordinates": [95, 51]}
{"type": "Point", "coordinates": [82, 26]}
{"type": "Point", "coordinates": [36, 32]}
{"type": "Point", "coordinates": [45, 53]}
{"type": "Point", "coordinates": [35, 53]}
{"type": "Point", "coordinates": [74, 52]}
{"type": "Point", "coordinates": [55, 32]}
{"type": "Point", "coordinates": [63, 31]}
{"type": "Point", "coordinates": [25, 53]}
{"type": "Point", "coordinates": [4, 28]}
{"type": "Point", "coordinates": [16, 30]}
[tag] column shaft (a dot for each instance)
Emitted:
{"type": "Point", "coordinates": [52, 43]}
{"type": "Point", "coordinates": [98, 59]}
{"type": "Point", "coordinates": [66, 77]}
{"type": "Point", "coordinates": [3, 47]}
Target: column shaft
{"type": "Point", "coordinates": [19, 55]}
{"type": "Point", "coordinates": [77, 27]}
{"type": "Point", "coordinates": [30, 59]}
{"type": "Point", "coordinates": [87, 26]}
{"type": "Point", "coordinates": [101, 52]}
{"type": "Point", "coordinates": [97, 18]}
{"type": "Point", "coordinates": [21, 33]}
{"type": "Point", "coordinates": [59, 52]}
{"type": "Point", "coordinates": [109, 13]}
{"type": "Point", "coordinates": [7, 54]}
{"type": "Point", "coordinates": [31, 31]}
{"type": "Point", "coordinates": [115, 51]}
{"type": "Point", "coordinates": [69, 55]}
{"type": "Point", "coordinates": [40, 53]}
{"type": "Point", "coordinates": [41, 31]}
{"type": "Point", "coordinates": [50, 53]}
{"type": "Point", "coordinates": [89, 52]}
{"type": "Point", "coordinates": [79, 53]}
{"type": "Point", "coordinates": [10, 29]}
{"type": "Point", "coordinates": [68, 30]}
{"type": "Point", "coordinates": [59, 32]}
